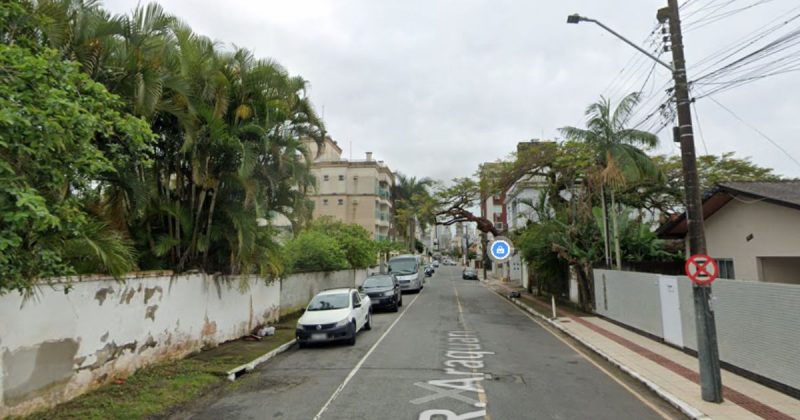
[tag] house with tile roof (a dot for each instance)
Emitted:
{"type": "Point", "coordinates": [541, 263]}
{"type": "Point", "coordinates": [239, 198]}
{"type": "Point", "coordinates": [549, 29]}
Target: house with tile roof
{"type": "Point", "coordinates": [752, 230]}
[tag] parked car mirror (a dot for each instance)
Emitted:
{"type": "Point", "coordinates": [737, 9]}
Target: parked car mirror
{"type": "Point", "coordinates": [357, 305]}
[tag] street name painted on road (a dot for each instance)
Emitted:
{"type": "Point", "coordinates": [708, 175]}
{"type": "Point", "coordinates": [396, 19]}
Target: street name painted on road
{"type": "Point", "coordinates": [464, 358]}
{"type": "Point", "coordinates": [500, 249]}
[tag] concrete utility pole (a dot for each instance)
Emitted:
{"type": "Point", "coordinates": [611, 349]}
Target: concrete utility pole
{"type": "Point", "coordinates": [707, 350]}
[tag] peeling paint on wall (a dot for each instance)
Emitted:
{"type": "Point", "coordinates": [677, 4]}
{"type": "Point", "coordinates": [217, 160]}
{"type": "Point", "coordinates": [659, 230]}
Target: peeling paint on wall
{"type": "Point", "coordinates": [150, 291]}
{"type": "Point", "coordinates": [102, 294]}
{"type": "Point", "coordinates": [29, 372]}
{"type": "Point", "coordinates": [149, 344]}
{"type": "Point", "coordinates": [126, 296]}
{"type": "Point", "coordinates": [150, 312]}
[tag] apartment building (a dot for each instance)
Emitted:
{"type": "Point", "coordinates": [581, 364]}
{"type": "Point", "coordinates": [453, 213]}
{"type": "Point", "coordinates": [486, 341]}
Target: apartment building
{"type": "Point", "coordinates": [353, 191]}
{"type": "Point", "coordinates": [493, 206]}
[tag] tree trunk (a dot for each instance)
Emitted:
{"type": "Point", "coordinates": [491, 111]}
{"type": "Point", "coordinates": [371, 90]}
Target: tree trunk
{"type": "Point", "coordinates": [606, 243]}
{"type": "Point", "coordinates": [209, 225]}
{"type": "Point", "coordinates": [615, 224]}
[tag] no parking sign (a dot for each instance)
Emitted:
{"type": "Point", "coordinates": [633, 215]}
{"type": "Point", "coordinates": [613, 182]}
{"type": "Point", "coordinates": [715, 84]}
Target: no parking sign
{"type": "Point", "coordinates": [701, 269]}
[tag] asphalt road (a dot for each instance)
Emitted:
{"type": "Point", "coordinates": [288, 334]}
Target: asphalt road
{"type": "Point", "coordinates": [455, 351]}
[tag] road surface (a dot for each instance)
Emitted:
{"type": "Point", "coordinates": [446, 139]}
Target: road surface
{"type": "Point", "coordinates": [455, 351]}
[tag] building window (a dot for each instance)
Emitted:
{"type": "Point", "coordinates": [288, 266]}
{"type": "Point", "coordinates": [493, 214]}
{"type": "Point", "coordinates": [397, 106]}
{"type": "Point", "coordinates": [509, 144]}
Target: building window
{"type": "Point", "coordinates": [340, 201]}
{"type": "Point", "coordinates": [726, 268]}
{"type": "Point", "coordinates": [325, 202]}
{"type": "Point", "coordinates": [325, 177]}
{"type": "Point", "coordinates": [499, 226]}
{"type": "Point", "coordinates": [341, 177]}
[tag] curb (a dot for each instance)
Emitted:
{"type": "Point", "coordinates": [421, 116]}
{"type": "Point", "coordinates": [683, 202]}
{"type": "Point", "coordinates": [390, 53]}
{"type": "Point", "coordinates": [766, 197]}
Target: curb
{"type": "Point", "coordinates": [238, 371]}
{"type": "Point", "coordinates": [687, 409]}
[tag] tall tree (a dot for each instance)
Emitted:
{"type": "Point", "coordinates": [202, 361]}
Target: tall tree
{"type": "Point", "coordinates": [619, 151]}
{"type": "Point", "coordinates": [411, 205]}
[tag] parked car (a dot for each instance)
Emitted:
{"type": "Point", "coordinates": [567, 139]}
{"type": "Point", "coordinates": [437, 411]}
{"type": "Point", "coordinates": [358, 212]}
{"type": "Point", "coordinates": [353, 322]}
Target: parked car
{"type": "Point", "coordinates": [334, 315]}
{"type": "Point", "coordinates": [429, 271]}
{"type": "Point", "coordinates": [435, 264]}
{"type": "Point", "coordinates": [409, 272]}
{"type": "Point", "coordinates": [384, 291]}
{"type": "Point", "coordinates": [469, 274]}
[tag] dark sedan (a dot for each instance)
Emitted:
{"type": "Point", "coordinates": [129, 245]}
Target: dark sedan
{"type": "Point", "coordinates": [470, 274]}
{"type": "Point", "coordinates": [384, 291]}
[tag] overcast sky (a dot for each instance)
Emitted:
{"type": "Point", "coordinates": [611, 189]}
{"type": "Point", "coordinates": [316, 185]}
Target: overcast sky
{"type": "Point", "coordinates": [434, 88]}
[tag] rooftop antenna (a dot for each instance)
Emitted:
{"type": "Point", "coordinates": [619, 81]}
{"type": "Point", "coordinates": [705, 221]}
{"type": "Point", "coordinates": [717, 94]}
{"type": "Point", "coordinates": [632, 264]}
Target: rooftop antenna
{"type": "Point", "coordinates": [351, 149]}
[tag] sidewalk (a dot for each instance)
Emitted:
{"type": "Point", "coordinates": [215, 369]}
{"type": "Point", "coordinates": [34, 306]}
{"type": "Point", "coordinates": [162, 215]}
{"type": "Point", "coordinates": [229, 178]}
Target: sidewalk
{"type": "Point", "coordinates": [670, 372]}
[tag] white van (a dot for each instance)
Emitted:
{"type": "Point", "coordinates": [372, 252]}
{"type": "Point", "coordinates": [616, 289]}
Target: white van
{"type": "Point", "coordinates": [409, 271]}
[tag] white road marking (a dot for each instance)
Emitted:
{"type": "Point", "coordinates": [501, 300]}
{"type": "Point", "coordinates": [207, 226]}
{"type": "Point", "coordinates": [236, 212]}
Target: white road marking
{"type": "Point", "coordinates": [601, 368]}
{"type": "Point", "coordinates": [361, 362]}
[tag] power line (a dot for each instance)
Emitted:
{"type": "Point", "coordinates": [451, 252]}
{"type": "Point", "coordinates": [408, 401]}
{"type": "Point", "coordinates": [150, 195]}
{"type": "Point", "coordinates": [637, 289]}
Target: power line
{"type": "Point", "coordinates": [699, 128]}
{"type": "Point", "coordinates": [761, 133]}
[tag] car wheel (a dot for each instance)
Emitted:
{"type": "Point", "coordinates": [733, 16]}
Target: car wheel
{"type": "Point", "coordinates": [300, 344]}
{"type": "Point", "coordinates": [368, 324]}
{"type": "Point", "coordinates": [352, 340]}
{"type": "Point", "coordinates": [396, 306]}
{"type": "Point", "coordinates": [400, 300]}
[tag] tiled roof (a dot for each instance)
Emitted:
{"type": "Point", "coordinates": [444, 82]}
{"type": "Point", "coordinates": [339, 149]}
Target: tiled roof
{"type": "Point", "coordinates": [785, 192]}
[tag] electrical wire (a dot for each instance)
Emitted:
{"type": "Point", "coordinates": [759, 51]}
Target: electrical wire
{"type": "Point", "coordinates": [759, 132]}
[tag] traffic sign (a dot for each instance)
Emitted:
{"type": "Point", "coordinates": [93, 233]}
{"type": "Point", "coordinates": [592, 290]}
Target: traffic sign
{"type": "Point", "coordinates": [500, 249]}
{"type": "Point", "coordinates": [701, 269]}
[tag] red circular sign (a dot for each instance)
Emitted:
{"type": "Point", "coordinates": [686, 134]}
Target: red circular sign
{"type": "Point", "coordinates": [701, 269]}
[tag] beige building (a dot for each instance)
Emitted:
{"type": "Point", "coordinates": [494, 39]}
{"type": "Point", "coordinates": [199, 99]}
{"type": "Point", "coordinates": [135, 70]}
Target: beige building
{"type": "Point", "coordinates": [353, 191]}
{"type": "Point", "coordinates": [752, 230]}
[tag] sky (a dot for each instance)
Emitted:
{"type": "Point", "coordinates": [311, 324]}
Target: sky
{"type": "Point", "coordinates": [435, 88]}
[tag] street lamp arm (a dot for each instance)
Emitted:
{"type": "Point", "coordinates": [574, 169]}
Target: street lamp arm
{"type": "Point", "coordinates": [577, 18]}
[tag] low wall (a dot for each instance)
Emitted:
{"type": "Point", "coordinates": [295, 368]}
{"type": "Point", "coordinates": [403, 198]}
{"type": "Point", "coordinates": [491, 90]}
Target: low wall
{"type": "Point", "coordinates": [298, 289]}
{"type": "Point", "coordinates": [56, 345]}
{"type": "Point", "coordinates": [757, 323]}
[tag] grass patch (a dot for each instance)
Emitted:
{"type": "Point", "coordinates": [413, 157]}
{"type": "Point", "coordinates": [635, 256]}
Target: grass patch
{"type": "Point", "coordinates": [159, 388]}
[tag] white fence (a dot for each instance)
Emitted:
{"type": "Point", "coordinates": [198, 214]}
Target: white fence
{"type": "Point", "coordinates": [58, 345]}
{"type": "Point", "coordinates": [757, 323]}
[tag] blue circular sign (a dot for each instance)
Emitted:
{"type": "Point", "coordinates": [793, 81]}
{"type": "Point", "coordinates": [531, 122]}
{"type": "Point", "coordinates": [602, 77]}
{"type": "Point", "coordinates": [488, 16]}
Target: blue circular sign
{"type": "Point", "coordinates": [500, 249]}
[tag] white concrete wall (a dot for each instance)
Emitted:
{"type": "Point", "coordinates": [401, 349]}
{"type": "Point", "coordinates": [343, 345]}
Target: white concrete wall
{"type": "Point", "coordinates": [298, 289]}
{"type": "Point", "coordinates": [775, 230]}
{"type": "Point", "coordinates": [757, 327]}
{"type": "Point", "coordinates": [56, 345]}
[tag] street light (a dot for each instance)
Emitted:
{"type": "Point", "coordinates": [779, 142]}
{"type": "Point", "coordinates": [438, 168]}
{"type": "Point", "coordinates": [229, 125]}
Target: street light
{"type": "Point", "coordinates": [707, 351]}
{"type": "Point", "coordinates": [576, 18]}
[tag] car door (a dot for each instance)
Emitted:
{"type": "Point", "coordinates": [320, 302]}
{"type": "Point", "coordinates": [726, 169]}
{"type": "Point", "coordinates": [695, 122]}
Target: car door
{"type": "Point", "coordinates": [358, 313]}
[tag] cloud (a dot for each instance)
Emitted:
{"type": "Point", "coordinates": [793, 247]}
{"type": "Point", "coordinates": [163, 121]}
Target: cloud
{"type": "Point", "coordinates": [434, 88]}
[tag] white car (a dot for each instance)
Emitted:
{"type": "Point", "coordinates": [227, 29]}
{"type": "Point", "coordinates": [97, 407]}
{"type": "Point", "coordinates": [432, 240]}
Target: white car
{"type": "Point", "coordinates": [334, 315]}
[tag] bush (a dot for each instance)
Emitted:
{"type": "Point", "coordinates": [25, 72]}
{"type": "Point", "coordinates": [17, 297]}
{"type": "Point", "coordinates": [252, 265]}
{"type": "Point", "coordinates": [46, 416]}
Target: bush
{"type": "Point", "coordinates": [314, 251]}
{"type": "Point", "coordinates": [356, 242]}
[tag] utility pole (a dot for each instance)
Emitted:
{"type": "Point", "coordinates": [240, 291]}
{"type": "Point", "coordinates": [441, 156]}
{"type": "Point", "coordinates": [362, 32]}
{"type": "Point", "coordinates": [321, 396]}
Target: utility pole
{"type": "Point", "coordinates": [707, 350]}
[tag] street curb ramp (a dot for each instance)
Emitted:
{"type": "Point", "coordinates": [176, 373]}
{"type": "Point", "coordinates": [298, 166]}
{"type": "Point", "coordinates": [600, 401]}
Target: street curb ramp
{"type": "Point", "coordinates": [238, 371]}
{"type": "Point", "coordinates": [687, 409]}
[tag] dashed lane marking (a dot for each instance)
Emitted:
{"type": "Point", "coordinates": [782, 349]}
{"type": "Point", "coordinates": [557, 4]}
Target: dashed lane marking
{"type": "Point", "coordinates": [361, 362]}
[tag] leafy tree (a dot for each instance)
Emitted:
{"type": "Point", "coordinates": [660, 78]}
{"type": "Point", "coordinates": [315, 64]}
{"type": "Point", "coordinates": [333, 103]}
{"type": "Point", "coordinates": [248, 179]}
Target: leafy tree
{"type": "Point", "coordinates": [314, 251]}
{"type": "Point", "coordinates": [411, 205]}
{"type": "Point", "coordinates": [229, 130]}
{"type": "Point", "coordinates": [62, 136]}
{"type": "Point", "coordinates": [355, 241]}
{"type": "Point", "coordinates": [619, 152]}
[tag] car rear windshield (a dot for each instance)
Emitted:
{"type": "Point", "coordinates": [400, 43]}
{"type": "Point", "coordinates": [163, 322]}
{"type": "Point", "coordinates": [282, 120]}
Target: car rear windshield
{"type": "Point", "coordinates": [329, 301]}
{"type": "Point", "coordinates": [378, 281]}
{"type": "Point", "coordinates": [406, 265]}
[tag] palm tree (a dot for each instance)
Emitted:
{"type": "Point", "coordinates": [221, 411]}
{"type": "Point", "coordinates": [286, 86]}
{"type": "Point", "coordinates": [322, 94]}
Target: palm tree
{"type": "Point", "coordinates": [409, 195]}
{"type": "Point", "coordinates": [619, 153]}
